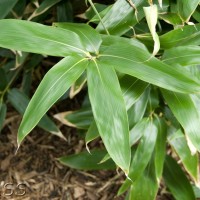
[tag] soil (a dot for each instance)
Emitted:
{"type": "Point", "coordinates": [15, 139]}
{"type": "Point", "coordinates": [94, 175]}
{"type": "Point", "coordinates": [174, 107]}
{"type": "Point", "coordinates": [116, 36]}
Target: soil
{"type": "Point", "coordinates": [35, 173]}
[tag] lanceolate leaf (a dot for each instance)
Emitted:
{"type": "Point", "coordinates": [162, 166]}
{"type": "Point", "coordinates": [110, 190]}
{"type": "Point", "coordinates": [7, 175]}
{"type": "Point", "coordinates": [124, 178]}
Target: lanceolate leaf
{"type": "Point", "coordinates": [108, 106]}
{"type": "Point", "coordinates": [36, 38]}
{"type": "Point", "coordinates": [53, 86]}
{"type": "Point", "coordinates": [44, 6]}
{"type": "Point", "coordinates": [188, 35]}
{"type": "Point", "coordinates": [186, 8]}
{"type": "Point", "coordinates": [146, 186]}
{"type": "Point", "coordinates": [190, 162]}
{"type": "Point", "coordinates": [138, 130]}
{"type": "Point", "coordinates": [79, 119]}
{"type": "Point", "coordinates": [132, 88]}
{"type": "Point", "coordinates": [136, 112]}
{"type": "Point", "coordinates": [136, 62]}
{"type": "Point", "coordinates": [92, 133]}
{"type": "Point", "coordinates": [143, 153]}
{"type": "Point", "coordinates": [6, 6]}
{"type": "Point", "coordinates": [176, 180]}
{"type": "Point", "coordinates": [87, 161]}
{"type": "Point", "coordinates": [20, 102]}
{"type": "Point", "coordinates": [185, 111]}
{"type": "Point", "coordinates": [160, 148]}
{"type": "Point", "coordinates": [171, 18]}
{"type": "Point", "coordinates": [144, 150]}
{"type": "Point", "coordinates": [183, 55]}
{"type": "Point", "coordinates": [121, 16]}
{"type": "Point", "coordinates": [89, 37]}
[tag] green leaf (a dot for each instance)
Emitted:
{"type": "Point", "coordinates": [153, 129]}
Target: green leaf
{"type": "Point", "coordinates": [89, 37]}
{"type": "Point", "coordinates": [135, 61]}
{"type": "Point", "coordinates": [78, 86]}
{"type": "Point", "coordinates": [103, 82]}
{"type": "Point", "coordinates": [196, 191]}
{"type": "Point", "coordinates": [86, 161]}
{"type": "Point", "coordinates": [136, 112]}
{"type": "Point", "coordinates": [65, 11]}
{"type": "Point", "coordinates": [188, 35]}
{"type": "Point", "coordinates": [55, 83]}
{"type": "Point", "coordinates": [79, 119]}
{"type": "Point", "coordinates": [186, 8]}
{"type": "Point", "coordinates": [132, 89]}
{"type": "Point", "coordinates": [3, 110]}
{"type": "Point", "coordinates": [37, 38]}
{"type": "Point", "coordinates": [6, 6]}
{"type": "Point", "coordinates": [176, 180]}
{"type": "Point", "coordinates": [142, 155]}
{"type": "Point", "coordinates": [185, 111]}
{"type": "Point", "coordinates": [92, 133]}
{"type": "Point", "coordinates": [101, 9]}
{"type": "Point", "coordinates": [171, 18]}
{"type": "Point", "coordinates": [44, 6]}
{"type": "Point", "coordinates": [151, 14]}
{"type": "Point", "coordinates": [138, 130]}
{"type": "Point", "coordinates": [160, 147]}
{"type": "Point", "coordinates": [121, 16]}
{"type": "Point", "coordinates": [183, 55]}
{"type": "Point", "coordinates": [144, 150]}
{"type": "Point", "coordinates": [190, 162]}
{"type": "Point", "coordinates": [20, 102]}
{"type": "Point", "coordinates": [146, 186]}
{"type": "Point", "coordinates": [196, 14]}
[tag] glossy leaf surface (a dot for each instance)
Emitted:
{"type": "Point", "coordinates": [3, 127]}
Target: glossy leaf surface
{"type": "Point", "coordinates": [103, 82]}
{"type": "Point", "coordinates": [136, 62]}
{"type": "Point", "coordinates": [55, 83]}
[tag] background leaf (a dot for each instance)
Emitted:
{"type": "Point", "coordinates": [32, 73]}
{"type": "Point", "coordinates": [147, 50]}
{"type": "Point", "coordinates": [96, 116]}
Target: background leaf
{"type": "Point", "coordinates": [3, 110]}
{"type": "Point", "coordinates": [186, 8]}
{"type": "Point", "coordinates": [44, 6]}
{"type": "Point", "coordinates": [6, 6]}
{"type": "Point", "coordinates": [176, 180]}
{"type": "Point", "coordinates": [121, 16]}
{"type": "Point", "coordinates": [185, 111]}
{"type": "Point", "coordinates": [86, 161]}
{"type": "Point", "coordinates": [188, 35]}
{"type": "Point", "coordinates": [142, 155]}
{"type": "Point", "coordinates": [132, 89]}
{"type": "Point", "coordinates": [190, 162]}
{"type": "Point", "coordinates": [20, 102]}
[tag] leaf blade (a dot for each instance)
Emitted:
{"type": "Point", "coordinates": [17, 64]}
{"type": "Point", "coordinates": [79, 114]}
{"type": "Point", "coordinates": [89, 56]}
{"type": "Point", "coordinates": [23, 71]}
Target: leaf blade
{"type": "Point", "coordinates": [37, 38]}
{"type": "Point", "coordinates": [61, 76]}
{"type": "Point", "coordinates": [185, 111]}
{"type": "Point", "coordinates": [176, 180]}
{"type": "Point", "coordinates": [136, 62]}
{"type": "Point", "coordinates": [115, 132]}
